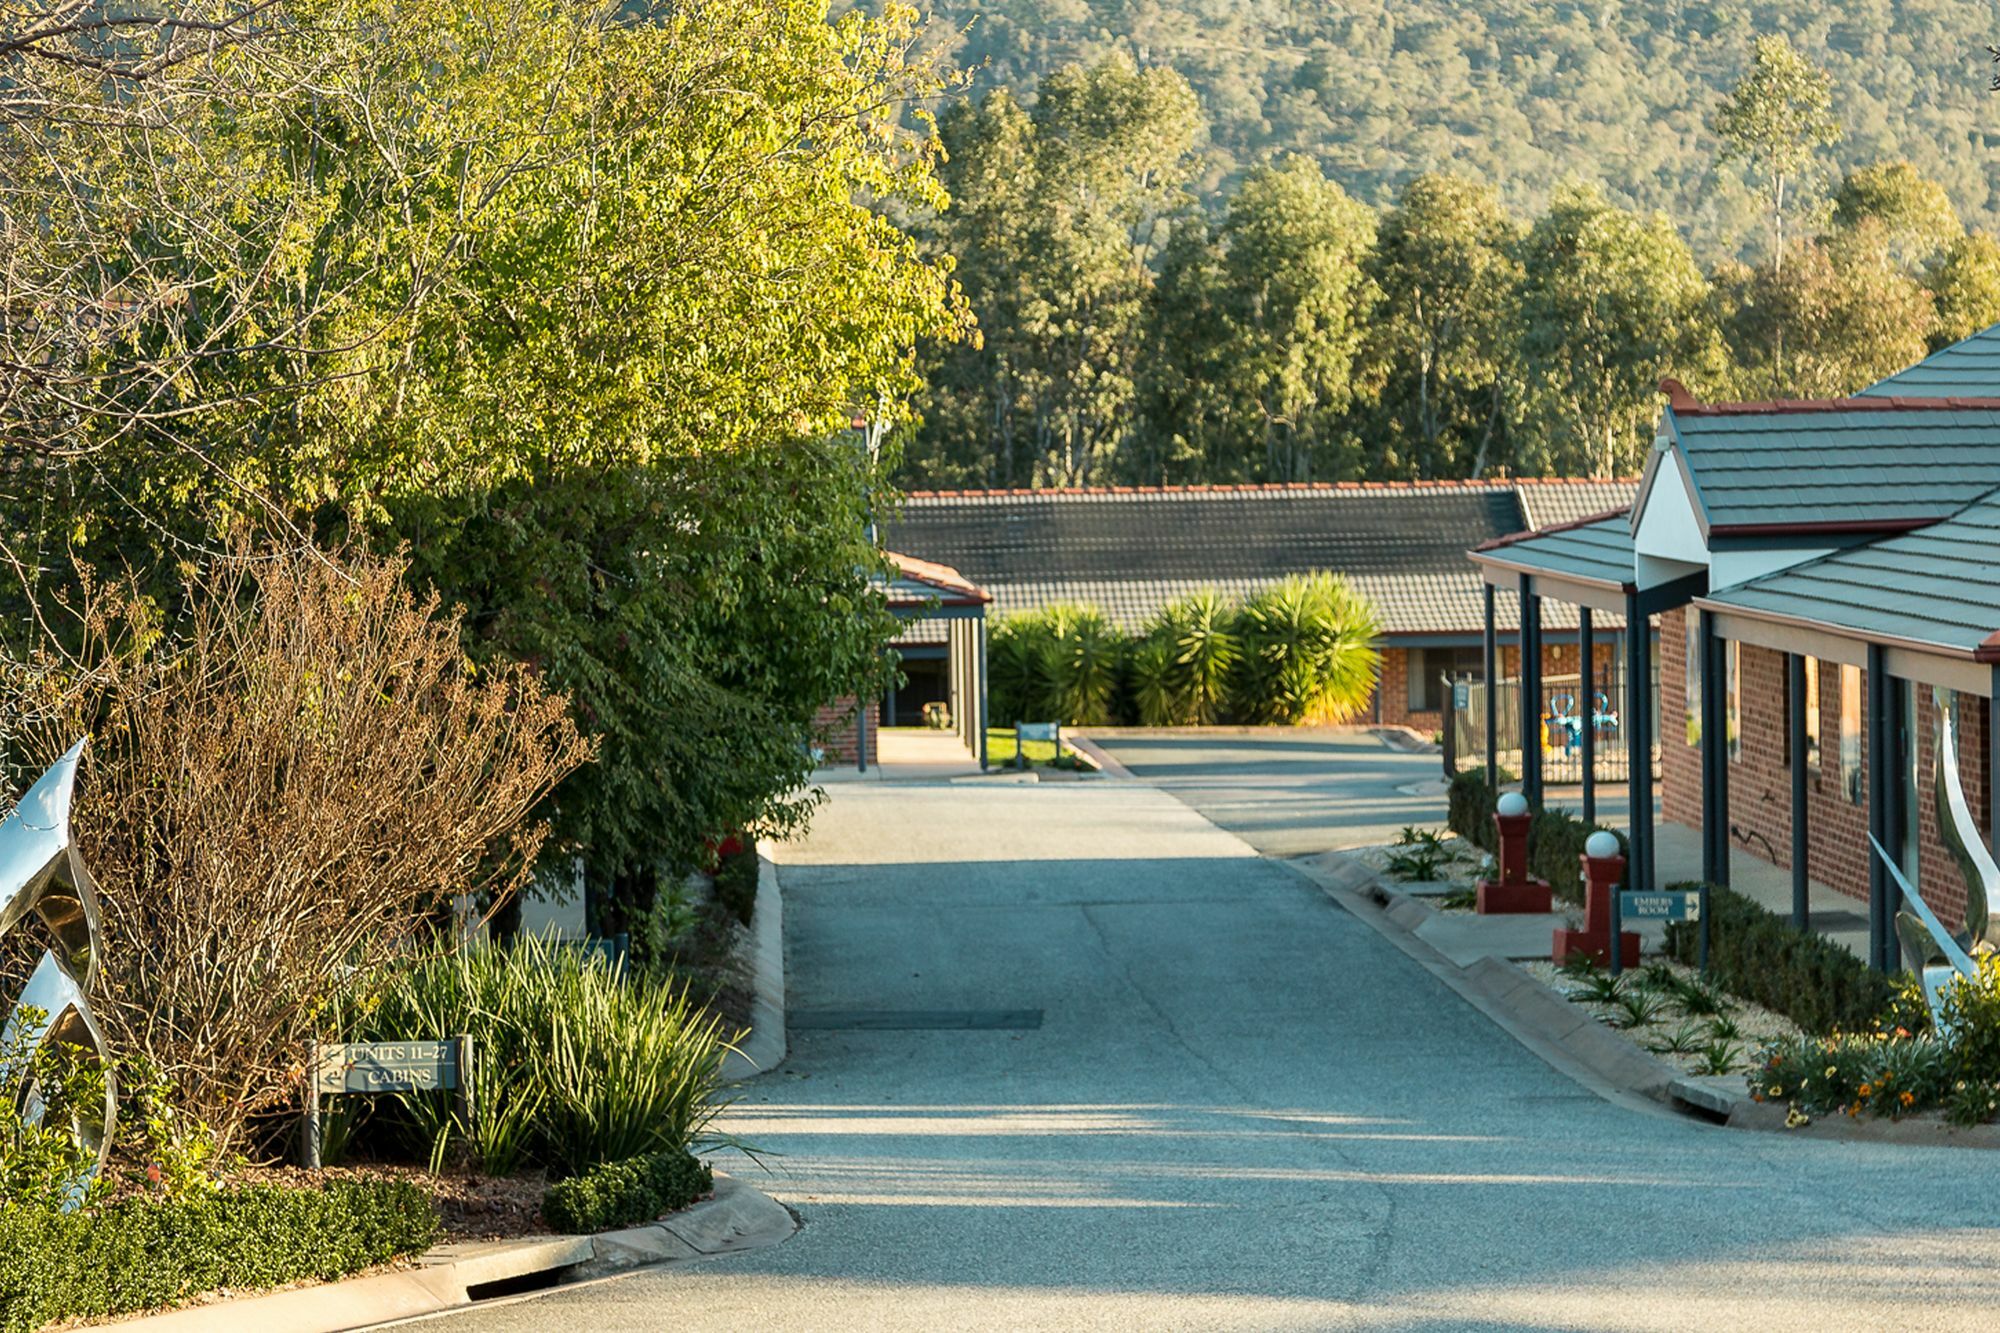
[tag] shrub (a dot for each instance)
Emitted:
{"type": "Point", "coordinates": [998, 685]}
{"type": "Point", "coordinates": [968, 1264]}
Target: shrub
{"type": "Point", "coordinates": [1309, 652]}
{"type": "Point", "coordinates": [626, 1193]}
{"type": "Point", "coordinates": [1758, 955]}
{"type": "Point", "coordinates": [139, 1253]}
{"type": "Point", "coordinates": [576, 1061]}
{"type": "Point", "coordinates": [736, 883]}
{"type": "Point", "coordinates": [1184, 671]}
{"type": "Point", "coordinates": [1855, 1073]}
{"type": "Point", "coordinates": [290, 780]}
{"type": "Point", "coordinates": [1063, 663]}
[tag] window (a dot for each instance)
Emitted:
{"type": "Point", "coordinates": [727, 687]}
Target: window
{"type": "Point", "coordinates": [1430, 666]}
{"type": "Point", "coordinates": [1735, 701]}
{"type": "Point", "coordinates": [1812, 713]}
{"type": "Point", "coordinates": [1850, 732]}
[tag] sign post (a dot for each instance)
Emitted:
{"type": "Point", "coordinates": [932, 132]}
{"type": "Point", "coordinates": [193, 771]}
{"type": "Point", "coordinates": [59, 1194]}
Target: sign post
{"type": "Point", "coordinates": [375, 1067]}
{"type": "Point", "coordinates": [1661, 905]}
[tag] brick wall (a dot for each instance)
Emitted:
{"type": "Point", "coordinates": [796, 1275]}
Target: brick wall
{"type": "Point", "coordinates": [1760, 783]}
{"type": "Point", "coordinates": [833, 725]}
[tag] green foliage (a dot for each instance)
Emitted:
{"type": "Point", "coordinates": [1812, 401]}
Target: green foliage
{"type": "Point", "coordinates": [1057, 211]}
{"type": "Point", "coordinates": [1971, 1014]}
{"type": "Point", "coordinates": [575, 1060]}
{"type": "Point", "coordinates": [698, 612]}
{"type": "Point", "coordinates": [626, 1192]}
{"type": "Point", "coordinates": [1774, 119]}
{"type": "Point", "coordinates": [1838, 315]}
{"type": "Point", "coordinates": [1760, 956]}
{"type": "Point", "coordinates": [1446, 266]}
{"type": "Point", "coordinates": [1856, 1074]}
{"type": "Point", "coordinates": [1913, 212]}
{"type": "Point", "coordinates": [1611, 303]}
{"type": "Point", "coordinates": [40, 1157]}
{"type": "Point", "coordinates": [1964, 282]}
{"type": "Point", "coordinates": [1309, 651]}
{"type": "Point", "coordinates": [1181, 670]}
{"type": "Point", "coordinates": [736, 883]}
{"type": "Point", "coordinates": [140, 1253]}
{"type": "Point", "coordinates": [1060, 664]}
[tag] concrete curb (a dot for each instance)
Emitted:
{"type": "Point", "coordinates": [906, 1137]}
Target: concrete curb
{"type": "Point", "coordinates": [1084, 745]}
{"type": "Point", "coordinates": [735, 1219]}
{"type": "Point", "coordinates": [764, 1049]}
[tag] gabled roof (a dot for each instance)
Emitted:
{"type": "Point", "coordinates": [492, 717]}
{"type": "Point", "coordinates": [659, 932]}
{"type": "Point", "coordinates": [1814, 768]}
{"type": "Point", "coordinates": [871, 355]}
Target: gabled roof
{"type": "Point", "coordinates": [920, 584]}
{"type": "Point", "coordinates": [1132, 550]}
{"type": "Point", "coordinates": [1854, 465]}
{"type": "Point", "coordinates": [1596, 551]}
{"type": "Point", "coordinates": [1969, 366]}
{"type": "Point", "coordinates": [1937, 588]}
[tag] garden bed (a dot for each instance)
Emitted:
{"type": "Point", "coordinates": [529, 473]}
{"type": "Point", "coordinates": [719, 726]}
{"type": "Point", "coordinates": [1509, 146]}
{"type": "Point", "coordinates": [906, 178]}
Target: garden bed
{"type": "Point", "coordinates": [1668, 1011]}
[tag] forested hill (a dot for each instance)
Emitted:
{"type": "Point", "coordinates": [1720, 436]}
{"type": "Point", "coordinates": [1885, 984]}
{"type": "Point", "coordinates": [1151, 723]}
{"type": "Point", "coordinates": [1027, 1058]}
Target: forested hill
{"type": "Point", "coordinates": [1524, 93]}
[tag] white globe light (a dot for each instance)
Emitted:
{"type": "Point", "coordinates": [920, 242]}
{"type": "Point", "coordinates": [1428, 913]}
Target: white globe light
{"type": "Point", "coordinates": [1513, 803]}
{"type": "Point", "coordinates": [1603, 845]}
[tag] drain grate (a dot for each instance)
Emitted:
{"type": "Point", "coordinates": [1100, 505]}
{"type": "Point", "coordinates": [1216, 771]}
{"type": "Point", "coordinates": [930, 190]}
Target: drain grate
{"type": "Point", "coordinates": [914, 1020]}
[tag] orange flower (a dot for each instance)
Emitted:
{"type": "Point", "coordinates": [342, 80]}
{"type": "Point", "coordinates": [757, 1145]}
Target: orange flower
{"type": "Point", "coordinates": [1909, 1098]}
{"type": "Point", "coordinates": [1865, 1091]}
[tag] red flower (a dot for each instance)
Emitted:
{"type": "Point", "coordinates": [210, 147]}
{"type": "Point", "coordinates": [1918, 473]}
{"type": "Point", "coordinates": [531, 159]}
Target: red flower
{"type": "Point", "coordinates": [152, 1173]}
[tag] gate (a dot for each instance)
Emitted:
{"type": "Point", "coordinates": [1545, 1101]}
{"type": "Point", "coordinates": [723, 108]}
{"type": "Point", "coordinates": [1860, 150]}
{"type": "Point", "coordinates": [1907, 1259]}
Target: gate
{"type": "Point", "coordinates": [1563, 716]}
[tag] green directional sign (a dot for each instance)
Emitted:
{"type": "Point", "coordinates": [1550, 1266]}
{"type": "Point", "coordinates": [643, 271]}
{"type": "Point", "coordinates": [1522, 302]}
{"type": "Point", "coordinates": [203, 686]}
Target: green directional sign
{"type": "Point", "coordinates": [388, 1066]}
{"type": "Point", "coordinates": [1660, 906]}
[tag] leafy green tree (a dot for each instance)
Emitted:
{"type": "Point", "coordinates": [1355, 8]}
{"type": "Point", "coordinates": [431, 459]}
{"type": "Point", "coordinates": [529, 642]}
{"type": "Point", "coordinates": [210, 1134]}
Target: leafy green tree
{"type": "Point", "coordinates": [1851, 315]}
{"type": "Point", "coordinates": [1611, 303]}
{"type": "Point", "coordinates": [569, 298]}
{"type": "Point", "coordinates": [1310, 655]}
{"type": "Point", "coordinates": [1915, 215]}
{"type": "Point", "coordinates": [1964, 283]}
{"type": "Point", "coordinates": [1444, 261]}
{"type": "Point", "coordinates": [1058, 212]}
{"type": "Point", "coordinates": [1776, 117]}
{"type": "Point", "coordinates": [1254, 333]}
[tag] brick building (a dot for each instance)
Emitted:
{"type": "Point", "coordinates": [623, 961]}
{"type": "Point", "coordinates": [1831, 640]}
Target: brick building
{"type": "Point", "coordinates": [1131, 550]}
{"type": "Point", "coordinates": [1824, 578]}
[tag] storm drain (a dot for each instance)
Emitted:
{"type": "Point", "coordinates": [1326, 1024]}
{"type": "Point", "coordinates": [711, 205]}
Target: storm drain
{"type": "Point", "coordinates": [914, 1020]}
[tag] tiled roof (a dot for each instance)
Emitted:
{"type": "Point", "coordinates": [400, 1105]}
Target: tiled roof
{"type": "Point", "coordinates": [1130, 551]}
{"type": "Point", "coordinates": [1597, 550]}
{"type": "Point", "coordinates": [1207, 535]}
{"type": "Point", "coordinates": [924, 582]}
{"type": "Point", "coordinates": [1548, 503]}
{"type": "Point", "coordinates": [1857, 464]}
{"type": "Point", "coordinates": [1970, 366]}
{"type": "Point", "coordinates": [1939, 586]}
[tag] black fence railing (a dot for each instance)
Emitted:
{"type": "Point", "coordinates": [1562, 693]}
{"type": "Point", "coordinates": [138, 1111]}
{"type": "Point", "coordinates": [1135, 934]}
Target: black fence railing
{"type": "Point", "coordinates": [1563, 717]}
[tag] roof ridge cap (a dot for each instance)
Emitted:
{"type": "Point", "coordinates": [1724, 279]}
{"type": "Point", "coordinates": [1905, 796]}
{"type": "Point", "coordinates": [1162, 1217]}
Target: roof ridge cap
{"type": "Point", "coordinates": [1497, 543]}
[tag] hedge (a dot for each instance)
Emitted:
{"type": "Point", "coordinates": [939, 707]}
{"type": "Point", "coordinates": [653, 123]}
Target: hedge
{"type": "Point", "coordinates": [626, 1193]}
{"type": "Point", "coordinates": [1760, 956]}
{"type": "Point", "coordinates": [140, 1254]}
{"type": "Point", "coordinates": [1555, 838]}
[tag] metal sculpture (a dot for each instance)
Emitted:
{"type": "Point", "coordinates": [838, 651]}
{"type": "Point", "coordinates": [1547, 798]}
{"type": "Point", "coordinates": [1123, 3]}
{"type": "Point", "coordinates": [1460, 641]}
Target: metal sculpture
{"type": "Point", "coordinates": [41, 874]}
{"type": "Point", "coordinates": [1934, 953]}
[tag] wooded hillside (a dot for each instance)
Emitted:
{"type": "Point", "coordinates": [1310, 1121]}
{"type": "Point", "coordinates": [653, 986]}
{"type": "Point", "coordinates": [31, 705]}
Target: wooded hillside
{"type": "Point", "coordinates": [1524, 93]}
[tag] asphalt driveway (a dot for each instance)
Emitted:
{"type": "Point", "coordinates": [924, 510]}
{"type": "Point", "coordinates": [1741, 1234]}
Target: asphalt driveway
{"type": "Point", "coordinates": [1300, 792]}
{"type": "Point", "coordinates": [1240, 1108]}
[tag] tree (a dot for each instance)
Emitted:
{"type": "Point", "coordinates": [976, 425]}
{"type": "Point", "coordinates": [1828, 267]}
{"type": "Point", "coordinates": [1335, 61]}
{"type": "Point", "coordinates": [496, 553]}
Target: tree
{"type": "Point", "coordinates": [1444, 262]}
{"type": "Point", "coordinates": [1057, 216]}
{"type": "Point", "coordinates": [1309, 652]}
{"type": "Point", "coordinates": [1915, 215]}
{"type": "Point", "coordinates": [1254, 332]}
{"type": "Point", "coordinates": [572, 298]}
{"type": "Point", "coordinates": [1964, 282]}
{"type": "Point", "coordinates": [1850, 314]}
{"type": "Point", "coordinates": [1611, 303]}
{"type": "Point", "coordinates": [1777, 116]}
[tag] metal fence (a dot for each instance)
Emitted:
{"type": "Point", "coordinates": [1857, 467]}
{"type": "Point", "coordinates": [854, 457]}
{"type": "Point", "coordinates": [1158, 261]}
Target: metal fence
{"type": "Point", "coordinates": [1560, 733]}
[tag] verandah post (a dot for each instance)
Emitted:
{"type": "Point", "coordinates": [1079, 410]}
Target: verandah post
{"type": "Point", "coordinates": [1531, 693]}
{"type": "Point", "coordinates": [1492, 666]}
{"type": "Point", "coordinates": [1587, 688]}
{"type": "Point", "coordinates": [1795, 665]}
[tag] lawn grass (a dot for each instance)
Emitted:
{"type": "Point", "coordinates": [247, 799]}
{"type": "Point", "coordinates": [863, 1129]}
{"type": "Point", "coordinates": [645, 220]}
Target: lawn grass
{"type": "Point", "coordinates": [1000, 748]}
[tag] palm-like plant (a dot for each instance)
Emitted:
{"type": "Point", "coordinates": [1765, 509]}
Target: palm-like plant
{"type": "Point", "coordinates": [1083, 655]}
{"type": "Point", "coordinates": [1310, 653]}
{"type": "Point", "coordinates": [1151, 674]}
{"type": "Point", "coordinates": [1200, 635]}
{"type": "Point", "coordinates": [1017, 665]}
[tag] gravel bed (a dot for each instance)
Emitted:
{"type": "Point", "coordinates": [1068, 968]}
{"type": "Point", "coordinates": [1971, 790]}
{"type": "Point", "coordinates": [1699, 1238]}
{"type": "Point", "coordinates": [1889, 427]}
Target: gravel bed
{"type": "Point", "coordinates": [1755, 1024]}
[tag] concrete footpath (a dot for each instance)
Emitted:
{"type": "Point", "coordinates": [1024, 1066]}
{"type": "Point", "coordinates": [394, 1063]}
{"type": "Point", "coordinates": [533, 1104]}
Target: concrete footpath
{"type": "Point", "coordinates": [1074, 1057]}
